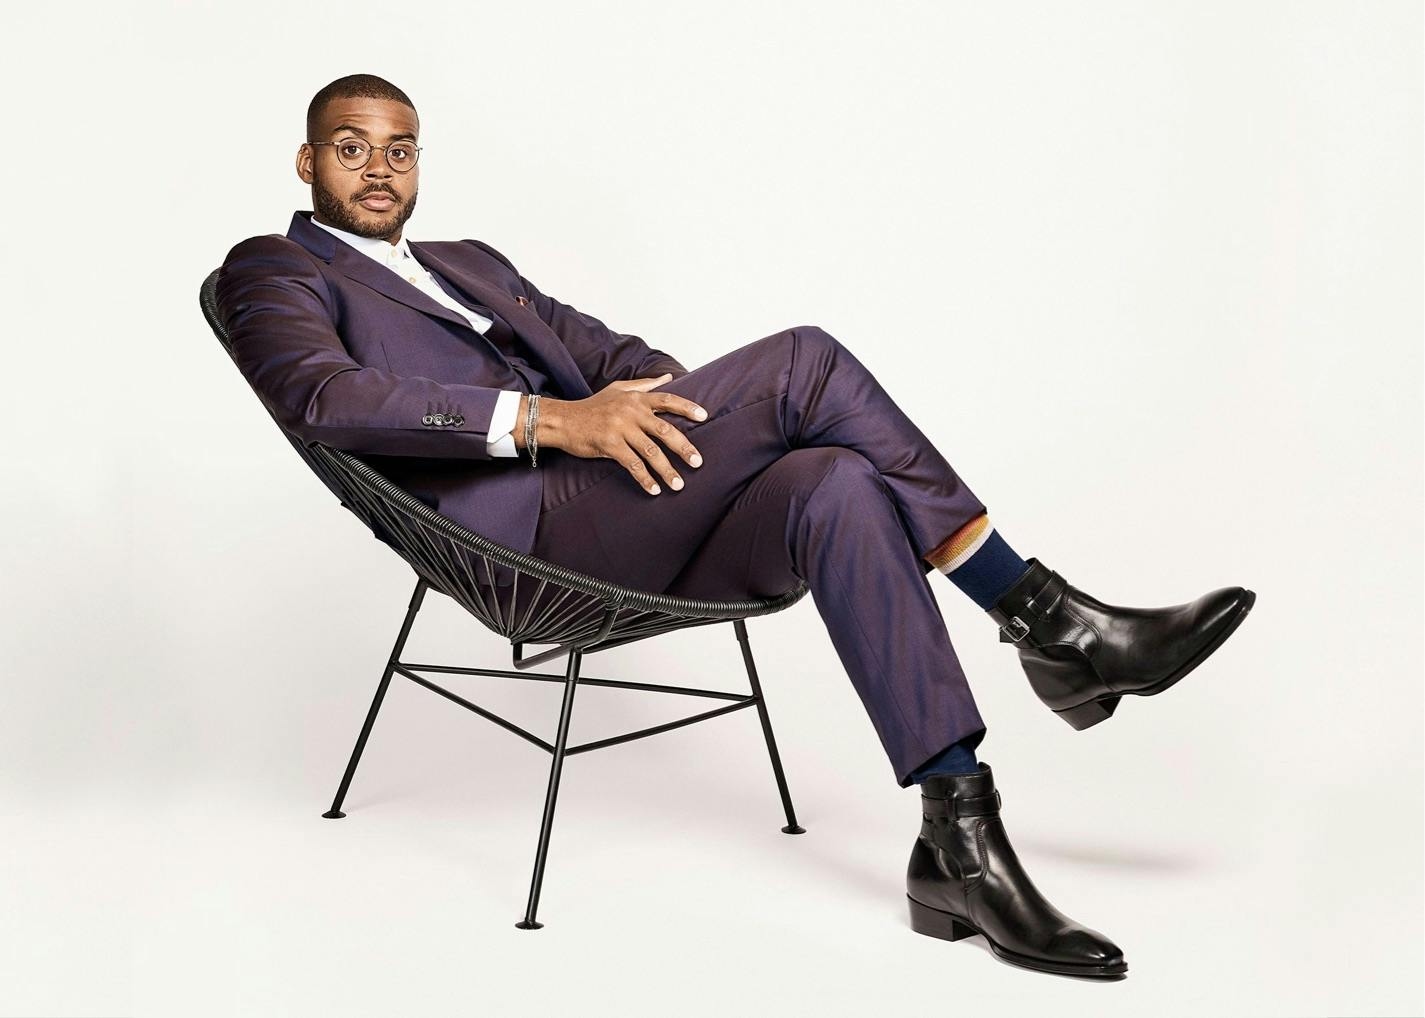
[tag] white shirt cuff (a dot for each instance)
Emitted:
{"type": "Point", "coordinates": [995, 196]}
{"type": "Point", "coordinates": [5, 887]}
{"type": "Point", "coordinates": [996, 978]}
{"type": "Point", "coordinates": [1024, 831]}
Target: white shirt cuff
{"type": "Point", "coordinates": [499, 437]}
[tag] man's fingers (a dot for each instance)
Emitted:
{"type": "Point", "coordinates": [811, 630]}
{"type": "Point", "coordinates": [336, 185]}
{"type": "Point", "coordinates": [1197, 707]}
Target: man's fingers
{"type": "Point", "coordinates": [633, 463]}
{"type": "Point", "coordinates": [673, 439]}
{"type": "Point", "coordinates": [667, 402]}
{"type": "Point", "coordinates": [644, 384]}
{"type": "Point", "coordinates": [652, 453]}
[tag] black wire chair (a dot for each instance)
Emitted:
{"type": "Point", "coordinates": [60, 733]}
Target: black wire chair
{"type": "Point", "coordinates": [544, 604]}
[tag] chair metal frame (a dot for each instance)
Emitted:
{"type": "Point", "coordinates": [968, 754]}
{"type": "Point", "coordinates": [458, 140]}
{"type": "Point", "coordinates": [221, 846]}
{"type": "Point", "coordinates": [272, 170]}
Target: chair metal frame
{"type": "Point", "coordinates": [577, 613]}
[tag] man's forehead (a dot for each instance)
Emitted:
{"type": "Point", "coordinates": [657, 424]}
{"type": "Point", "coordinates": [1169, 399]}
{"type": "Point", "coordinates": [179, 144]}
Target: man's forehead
{"type": "Point", "coordinates": [371, 118]}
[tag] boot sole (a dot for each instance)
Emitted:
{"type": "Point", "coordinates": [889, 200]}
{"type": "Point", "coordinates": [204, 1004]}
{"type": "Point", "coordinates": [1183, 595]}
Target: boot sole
{"type": "Point", "coordinates": [1091, 712]}
{"type": "Point", "coordinates": [932, 922]}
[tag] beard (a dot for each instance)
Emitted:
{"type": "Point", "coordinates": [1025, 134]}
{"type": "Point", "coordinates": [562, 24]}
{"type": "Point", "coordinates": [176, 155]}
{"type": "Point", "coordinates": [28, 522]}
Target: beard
{"type": "Point", "coordinates": [342, 214]}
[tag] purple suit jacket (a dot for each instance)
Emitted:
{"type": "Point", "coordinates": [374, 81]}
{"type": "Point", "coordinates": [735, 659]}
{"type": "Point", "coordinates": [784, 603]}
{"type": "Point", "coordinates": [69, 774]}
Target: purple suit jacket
{"type": "Point", "coordinates": [345, 352]}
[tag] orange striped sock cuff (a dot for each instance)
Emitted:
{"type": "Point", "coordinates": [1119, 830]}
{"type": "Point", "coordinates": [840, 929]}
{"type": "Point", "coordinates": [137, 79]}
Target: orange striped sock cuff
{"type": "Point", "coordinates": [959, 546]}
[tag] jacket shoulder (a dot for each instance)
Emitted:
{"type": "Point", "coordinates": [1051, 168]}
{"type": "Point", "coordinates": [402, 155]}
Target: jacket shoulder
{"type": "Point", "coordinates": [490, 250]}
{"type": "Point", "coordinates": [269, 245]}
{"type": "Point", "coordinates": [265, 266]}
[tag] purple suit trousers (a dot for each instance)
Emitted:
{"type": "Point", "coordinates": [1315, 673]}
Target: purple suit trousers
{"type": "Point", "coordinates": [810, 470]}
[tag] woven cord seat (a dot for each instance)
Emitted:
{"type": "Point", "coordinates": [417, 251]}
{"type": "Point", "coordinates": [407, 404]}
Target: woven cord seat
{"type": "Point", "coordinates": [545, 603]}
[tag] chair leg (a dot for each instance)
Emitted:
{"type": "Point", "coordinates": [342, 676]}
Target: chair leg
{"type": "Point", "coordinates": [740, 626]}
{"type": "Point", "coordinates": [335, 812]}
{"type": "Point", "coordinates": [561, 740]}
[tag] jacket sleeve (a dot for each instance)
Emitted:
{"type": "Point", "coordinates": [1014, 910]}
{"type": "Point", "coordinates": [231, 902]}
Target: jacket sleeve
{"type": "Point", "coordinates": [603, 355]}
{"type": "Point", "coordinates": [279, 317]}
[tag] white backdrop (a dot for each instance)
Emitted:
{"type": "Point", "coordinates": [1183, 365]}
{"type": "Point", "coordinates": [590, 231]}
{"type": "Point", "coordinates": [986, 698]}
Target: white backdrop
{"type": "Point", "coordinates": [1149, 275]}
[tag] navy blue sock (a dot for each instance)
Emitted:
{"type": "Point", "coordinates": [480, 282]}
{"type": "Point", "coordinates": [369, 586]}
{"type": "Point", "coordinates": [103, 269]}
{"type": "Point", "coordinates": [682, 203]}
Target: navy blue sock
{"type": "Point", "coordinates": [957, 758]}
{"type": "Point", "coordinates": [979, 561]}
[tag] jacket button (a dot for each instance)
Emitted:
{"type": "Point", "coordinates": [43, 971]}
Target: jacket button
{"type": "Point", "coordinates": [459, 420]}
{"type": "Point", "coordinates": [427, 420]}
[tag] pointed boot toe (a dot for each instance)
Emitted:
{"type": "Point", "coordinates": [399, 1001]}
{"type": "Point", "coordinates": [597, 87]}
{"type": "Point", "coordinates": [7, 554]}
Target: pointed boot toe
{"type": "Point", "coordinates": [1084, 948]}
{"type": "Point", "coordinates": [1219, 611]}
{"type": "Point", "coordinates": [964, 879]}
{"type": "Point", "coordinates": [1082, 655]}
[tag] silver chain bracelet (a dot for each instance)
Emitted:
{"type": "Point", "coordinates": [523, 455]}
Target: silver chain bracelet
{"type": "Point", "coordinates": [531, 418]}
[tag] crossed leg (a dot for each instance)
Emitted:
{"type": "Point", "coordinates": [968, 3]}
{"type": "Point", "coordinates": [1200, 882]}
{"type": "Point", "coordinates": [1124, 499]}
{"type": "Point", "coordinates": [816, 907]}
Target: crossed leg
{"type": "Point", "coordinates": [824, 514]}
{"type": "Point", "coordinates": [810, 470]}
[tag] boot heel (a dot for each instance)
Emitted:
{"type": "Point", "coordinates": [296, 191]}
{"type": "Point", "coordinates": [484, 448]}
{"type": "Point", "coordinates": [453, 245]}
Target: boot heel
{"type": "Point", "coordinates": [1086, 715]}
{"type": "Point", "coordinates": [934, 923]}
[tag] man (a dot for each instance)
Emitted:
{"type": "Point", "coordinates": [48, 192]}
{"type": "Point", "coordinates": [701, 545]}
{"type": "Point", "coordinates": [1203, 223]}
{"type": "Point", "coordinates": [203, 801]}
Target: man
{"type": "Point", "coordinates": [782, 460]}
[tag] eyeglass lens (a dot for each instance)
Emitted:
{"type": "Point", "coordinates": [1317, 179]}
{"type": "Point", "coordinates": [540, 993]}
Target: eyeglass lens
{"type": "Point", "coordinates": [355, 153]}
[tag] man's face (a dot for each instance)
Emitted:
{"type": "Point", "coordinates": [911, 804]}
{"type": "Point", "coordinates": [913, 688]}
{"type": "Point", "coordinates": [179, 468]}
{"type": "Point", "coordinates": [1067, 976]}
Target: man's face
{"type": "Point", "coordinates": [374, 201]}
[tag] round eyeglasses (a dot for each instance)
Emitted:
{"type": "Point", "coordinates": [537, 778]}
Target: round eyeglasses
{"type": "Point", "coordinates": [353, 153]}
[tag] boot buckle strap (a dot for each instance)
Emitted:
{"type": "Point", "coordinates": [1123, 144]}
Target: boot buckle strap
{"type": "Point", "coordinates": [958, 806]}
{"type": "Point", "coordinates": [1014, 630]}
{"type": "Point", "coordinates": [1033, 609]}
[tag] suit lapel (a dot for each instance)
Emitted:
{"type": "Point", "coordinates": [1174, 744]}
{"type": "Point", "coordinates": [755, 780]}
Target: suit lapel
{"type": "Point", "coordinates": [355, 265]}
{"type": "Point", "coordinates": [543, 341]}
{"type": "Point", "coordinates": [529, 326]}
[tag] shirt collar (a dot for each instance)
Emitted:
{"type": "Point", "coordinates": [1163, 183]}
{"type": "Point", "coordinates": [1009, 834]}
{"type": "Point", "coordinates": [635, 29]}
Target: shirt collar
{"type": "Point", "coordinates": [377, 248]}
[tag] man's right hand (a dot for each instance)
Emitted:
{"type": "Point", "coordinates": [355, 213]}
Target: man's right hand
{"type": "Point", "coordinates": [619, 422]}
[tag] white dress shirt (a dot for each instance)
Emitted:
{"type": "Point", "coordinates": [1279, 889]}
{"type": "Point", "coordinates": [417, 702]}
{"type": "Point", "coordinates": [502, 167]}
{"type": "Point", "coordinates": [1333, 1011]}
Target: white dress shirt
{"type": "Point", "coordinates": [499, 435]}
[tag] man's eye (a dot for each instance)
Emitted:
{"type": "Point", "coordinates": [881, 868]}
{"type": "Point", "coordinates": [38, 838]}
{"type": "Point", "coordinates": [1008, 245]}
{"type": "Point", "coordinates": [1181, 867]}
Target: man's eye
{"type": "Point", "coordinates": [351, 149]}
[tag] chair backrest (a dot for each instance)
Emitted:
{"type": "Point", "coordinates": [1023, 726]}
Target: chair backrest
{"type": "Point", "coordinates": [554, 604]}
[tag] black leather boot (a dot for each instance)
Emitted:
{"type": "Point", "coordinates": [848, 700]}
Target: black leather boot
{"type": "Point", "coordinates": [1082, 655]}
{"type": "Point", "coordinates": [964, 878]}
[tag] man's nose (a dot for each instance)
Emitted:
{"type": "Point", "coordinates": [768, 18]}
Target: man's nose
{"type": "Point", "coordinates": [377, 166]}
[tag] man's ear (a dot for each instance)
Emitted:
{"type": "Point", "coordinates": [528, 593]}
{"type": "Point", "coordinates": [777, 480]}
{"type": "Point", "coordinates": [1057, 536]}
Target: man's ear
{"type": "Point", "coordinates": [304, 163]}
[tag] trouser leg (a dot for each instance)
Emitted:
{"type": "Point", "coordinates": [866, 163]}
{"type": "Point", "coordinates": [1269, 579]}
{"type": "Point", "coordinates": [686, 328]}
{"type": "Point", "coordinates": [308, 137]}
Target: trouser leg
{"type": "Point", "coordinates": [794, 390]}
{"type": "Point", "coordinates": [826, 515]}
{"type": "Point", "coordinates": [798, 388]}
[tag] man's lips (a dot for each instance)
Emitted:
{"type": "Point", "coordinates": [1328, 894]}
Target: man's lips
{"type": "Point", "coordinates": [377, 201]}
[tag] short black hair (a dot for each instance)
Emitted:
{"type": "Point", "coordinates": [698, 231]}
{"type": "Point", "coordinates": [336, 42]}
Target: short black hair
{"type": "Point", "coordinates": [353, 86]}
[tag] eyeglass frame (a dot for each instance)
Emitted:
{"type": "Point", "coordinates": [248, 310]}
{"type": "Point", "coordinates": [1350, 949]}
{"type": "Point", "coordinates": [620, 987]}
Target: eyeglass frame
{"type": "Point", "coordinates": [371, 150]}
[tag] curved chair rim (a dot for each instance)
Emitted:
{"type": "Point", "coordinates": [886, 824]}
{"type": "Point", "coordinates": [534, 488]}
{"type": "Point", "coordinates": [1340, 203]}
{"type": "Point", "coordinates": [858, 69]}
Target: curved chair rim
{"type": "Point", "coordinates": [542, 569]}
